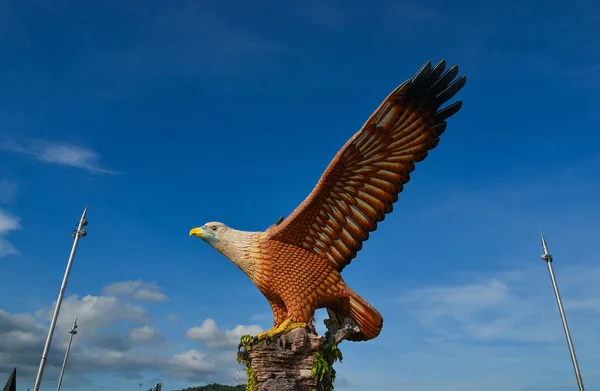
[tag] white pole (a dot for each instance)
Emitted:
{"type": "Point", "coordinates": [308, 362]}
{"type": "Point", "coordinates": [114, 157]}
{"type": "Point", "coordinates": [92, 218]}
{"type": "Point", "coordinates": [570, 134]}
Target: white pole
{"type": "Point", "coordinates": [77, 234]}
{"type": "Point", "coordinates": [548, 258]}
{"type": "Point", "coordinates": [73, 331]}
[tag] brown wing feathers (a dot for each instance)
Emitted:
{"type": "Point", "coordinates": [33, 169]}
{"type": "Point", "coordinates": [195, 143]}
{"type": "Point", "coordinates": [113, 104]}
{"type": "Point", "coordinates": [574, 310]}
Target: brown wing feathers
{"type": "Point", "coordinates": [362, 182]}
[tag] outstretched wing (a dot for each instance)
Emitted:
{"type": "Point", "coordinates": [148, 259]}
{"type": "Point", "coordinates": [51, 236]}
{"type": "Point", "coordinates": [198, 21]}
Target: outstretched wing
{"type": "Point", "coordinates": [362, 182]}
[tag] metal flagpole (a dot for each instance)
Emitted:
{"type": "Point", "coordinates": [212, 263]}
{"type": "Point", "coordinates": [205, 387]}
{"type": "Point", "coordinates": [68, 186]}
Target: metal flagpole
{"type": "Point", "coordinates": [73, 331]}
{"type": "Point", "coordinates": [548, 258]}
{"type": "Point", "coordinates": [77, 234]}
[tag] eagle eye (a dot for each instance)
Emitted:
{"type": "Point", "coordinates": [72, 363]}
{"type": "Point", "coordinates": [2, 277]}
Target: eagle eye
{"type": "Point", "coordinates": [214, 227]}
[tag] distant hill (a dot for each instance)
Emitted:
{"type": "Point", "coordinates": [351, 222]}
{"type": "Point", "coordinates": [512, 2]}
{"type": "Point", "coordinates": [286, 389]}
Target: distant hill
{"type": "Point", "coordinates": [215, 387]}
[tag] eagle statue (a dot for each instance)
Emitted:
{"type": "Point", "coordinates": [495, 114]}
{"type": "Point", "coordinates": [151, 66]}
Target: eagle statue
{"type": "Point", "coordinates": [297, 262]}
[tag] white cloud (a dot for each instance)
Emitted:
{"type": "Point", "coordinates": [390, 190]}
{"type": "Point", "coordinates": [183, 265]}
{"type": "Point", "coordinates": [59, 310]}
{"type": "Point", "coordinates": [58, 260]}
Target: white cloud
{"type": "Point", "coordinates": [110, 334]}
{"type": "Point", "coordinates": [145, 334]}
{"type": "Point", "coordinates": [6, 248]}
{"type": "Point", "coordinates": [128, 364]}
{"type": "Point", "coordinates": [172, 317]}
{"type": "Point", "coordinates": [8, 191]}
{"type": "Point", "coordinates": [115, 338]}
{"type": "Point", "coordinates": [22, 339]}
{"type": "Point", "coordinates": [211, 336]}
{"type": "Point", "coordinates": [95, 313]}
{"type": "Point", "coordinates": [137, 289]}
{"type": "Point", "coordinates": [192, 360]}
{"type": "Point", "coordinates": [583, 304]}
{"type": "Point", "coordinates": [458, 301]}
{"type": "Point", "coordinates": [62, 153]}
{"type": "Point", "coordinates": [8, 223]}
{"type": "Point", "coordinates": [195, 365]}
{"type": "Point", "coordinates": [150, 295]}
{"type": "Point", "coordinates": [509, 306]}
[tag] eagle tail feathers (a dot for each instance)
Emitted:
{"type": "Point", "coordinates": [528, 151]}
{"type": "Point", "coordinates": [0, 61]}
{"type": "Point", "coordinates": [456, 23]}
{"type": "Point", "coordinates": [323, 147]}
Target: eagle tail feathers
{"type": "Point", "coordinates": [368, 319]}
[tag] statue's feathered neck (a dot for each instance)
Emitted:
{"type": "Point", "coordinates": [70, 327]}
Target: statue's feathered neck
{"type": "Point", "coordinates": [236, 246]}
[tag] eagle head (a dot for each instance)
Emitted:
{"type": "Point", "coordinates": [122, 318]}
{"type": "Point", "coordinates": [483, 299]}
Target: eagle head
{"type": "Point", "coordinates": [230, 242]}
{"type": "Point", "coordinates": [210, 232]}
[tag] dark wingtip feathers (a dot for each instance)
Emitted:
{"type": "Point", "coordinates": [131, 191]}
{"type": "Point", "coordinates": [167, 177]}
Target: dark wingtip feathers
{"type": "Point", "coordinates": [421, 74]}
{"type": "Point", "coordinates": [440, 128]}
{"type": "Point", "coordinates": [437, 70]}
{"type": "Point", "coordinates": [436, 87]}
{"type": "Point", "coordinates": [451, 90]}
{"type": "Point", "coordinates": [448, 112]}
{"type": "Point", "coordinates": [442, 82]}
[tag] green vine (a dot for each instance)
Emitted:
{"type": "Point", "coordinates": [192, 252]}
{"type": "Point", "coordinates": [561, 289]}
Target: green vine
{"type": "Point", "coordinates": [323, 365]}
{"type": "Point", "coordinates": [245, 341]}
{"type": "Point", "coordinates": [251, 384]}
{"type": "Point", "coordinates": [250, 379]}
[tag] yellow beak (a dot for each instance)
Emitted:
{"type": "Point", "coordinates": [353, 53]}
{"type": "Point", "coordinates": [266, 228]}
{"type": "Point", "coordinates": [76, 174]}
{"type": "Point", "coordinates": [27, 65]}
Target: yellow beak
{"type": "Point", "coordinates": [199, 232]}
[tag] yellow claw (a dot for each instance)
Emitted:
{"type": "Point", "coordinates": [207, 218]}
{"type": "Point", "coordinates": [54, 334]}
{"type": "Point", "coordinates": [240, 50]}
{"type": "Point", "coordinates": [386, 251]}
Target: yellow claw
{"type": "Point", "coordinates": [277, 331]}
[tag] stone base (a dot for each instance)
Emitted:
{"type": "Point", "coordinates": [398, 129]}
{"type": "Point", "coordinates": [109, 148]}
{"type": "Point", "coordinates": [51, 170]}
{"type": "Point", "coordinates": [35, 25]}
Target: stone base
{"type": "Point", "coordinates": [287, 363]}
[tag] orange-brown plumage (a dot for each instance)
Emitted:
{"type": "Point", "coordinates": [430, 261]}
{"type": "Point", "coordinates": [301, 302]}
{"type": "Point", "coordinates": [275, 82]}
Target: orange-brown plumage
{"type": "Point", "coordinates": [297, 264]}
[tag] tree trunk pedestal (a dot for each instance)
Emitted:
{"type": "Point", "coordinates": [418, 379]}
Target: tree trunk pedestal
{"type": "Point", "coordinates": [297, 361]}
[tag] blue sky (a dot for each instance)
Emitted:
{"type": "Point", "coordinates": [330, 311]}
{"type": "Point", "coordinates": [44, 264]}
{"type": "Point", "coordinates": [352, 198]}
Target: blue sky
{"type": "Point", "coordinates": [162, 116]}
